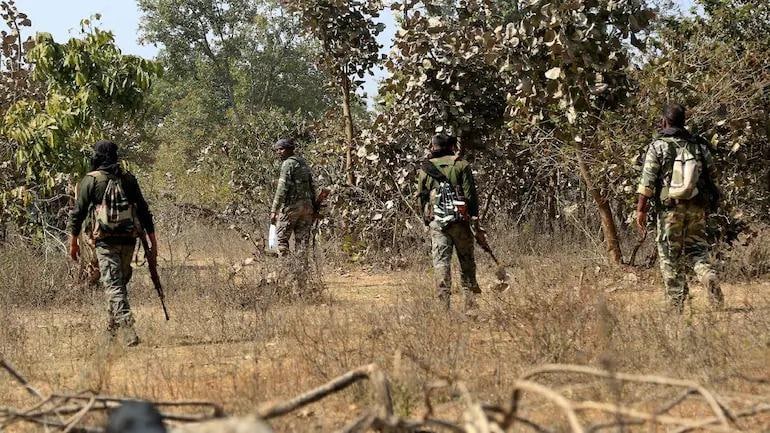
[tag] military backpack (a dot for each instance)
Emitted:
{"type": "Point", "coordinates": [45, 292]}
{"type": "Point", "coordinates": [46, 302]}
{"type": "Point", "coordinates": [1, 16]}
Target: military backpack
{"type": "Point", "coordinates": [685, 172]}
{"type": "Point", "coordinates": [115, 215]}
{"type": "Point", "coordinates": [447, 200]}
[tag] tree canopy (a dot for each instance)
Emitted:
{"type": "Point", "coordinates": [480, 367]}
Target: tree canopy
{"type": "Point", "coordinates": [88, 90]}
{"type": "Point", "coordinates": [554, 102]}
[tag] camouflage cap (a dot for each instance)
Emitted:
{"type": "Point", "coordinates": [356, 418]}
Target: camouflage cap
{"type": "Point", "coordinates": [284, 143]}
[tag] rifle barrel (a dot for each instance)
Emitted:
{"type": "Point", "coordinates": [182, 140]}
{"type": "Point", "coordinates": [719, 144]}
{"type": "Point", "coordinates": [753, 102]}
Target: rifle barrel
{"type": "Point", "coordinates": [152, 264]}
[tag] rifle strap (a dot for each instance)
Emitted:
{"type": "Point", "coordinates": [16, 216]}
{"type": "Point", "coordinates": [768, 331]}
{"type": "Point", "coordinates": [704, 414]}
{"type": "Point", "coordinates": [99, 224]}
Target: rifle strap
{"type": "Point", "coordinates": [431, 170]}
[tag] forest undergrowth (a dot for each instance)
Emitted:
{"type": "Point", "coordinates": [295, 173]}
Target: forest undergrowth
{"type": "Point", "coordinates": [239, 337]}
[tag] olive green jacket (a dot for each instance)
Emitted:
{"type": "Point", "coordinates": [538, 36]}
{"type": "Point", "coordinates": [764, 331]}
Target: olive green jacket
{"type": "Point", "coordinates": [459, 172]}
{"type": "Point", "coordinates": [90, 193]}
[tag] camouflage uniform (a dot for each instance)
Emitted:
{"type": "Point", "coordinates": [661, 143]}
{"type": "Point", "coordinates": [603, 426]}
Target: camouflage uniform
{"type": "Point", "coordinates": [681, 223]}
{"type": "Point", "coordinates": [115, 269]}
{"type": "Point", "coordinates": [294, 203]}
{"type": "Point", "coordinates": [113, 254]}
{"type": "Point", "coordinates": [456, 235]}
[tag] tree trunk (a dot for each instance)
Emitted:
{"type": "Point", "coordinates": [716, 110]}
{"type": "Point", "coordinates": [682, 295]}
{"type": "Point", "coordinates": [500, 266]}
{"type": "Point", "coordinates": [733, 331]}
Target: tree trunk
{"type": "Point", "coordinates": [551, 198]}
{"type": "Point", "coordinates": [605, 212]}
{"type": "Point", "coordinates": [348, 117]}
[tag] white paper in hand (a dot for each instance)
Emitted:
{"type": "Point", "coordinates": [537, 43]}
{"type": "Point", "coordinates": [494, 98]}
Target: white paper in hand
{"type": "Point", "coordinates": [272, 238]}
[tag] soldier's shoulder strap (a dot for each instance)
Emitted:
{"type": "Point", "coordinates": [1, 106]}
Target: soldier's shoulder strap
{"type": "Point", "coordinates": [666, 147]}
{"type": "Point", "coordinates": [668, 140]}
{"type": "Point", "coordinates": [99, 175]}
{"type": "Point", "coordinates": [431, 170]}
{"type": "Point", "coordinates": [294, 160]}
{"type": "Point", "coordinates": [702, 142]}
{"type": "Point", "coordinates": [460, 162]}
{"type": "Point", "coordinates": [103, 176]}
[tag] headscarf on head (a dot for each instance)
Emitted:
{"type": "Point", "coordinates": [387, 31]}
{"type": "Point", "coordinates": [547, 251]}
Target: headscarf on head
{"type": "Point", "coordinates": [105, 157]}
{"type": "Point", "coordinates": [443, 145]}
{"type": "Point", "coordinates": [438, 153]}
{"type": "Point", "coordinates": [679, 132]}
{"type": "Point", "coordinates": [284, 143]}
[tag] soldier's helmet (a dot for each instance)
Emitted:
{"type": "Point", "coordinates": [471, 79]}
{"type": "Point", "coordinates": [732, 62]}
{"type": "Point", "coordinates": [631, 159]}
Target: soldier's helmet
{"type": "Point", "coordinates": [284, 143]}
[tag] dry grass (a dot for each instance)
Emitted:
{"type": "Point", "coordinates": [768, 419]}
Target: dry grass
{"type": "Point", "coordinates": [239, 340]}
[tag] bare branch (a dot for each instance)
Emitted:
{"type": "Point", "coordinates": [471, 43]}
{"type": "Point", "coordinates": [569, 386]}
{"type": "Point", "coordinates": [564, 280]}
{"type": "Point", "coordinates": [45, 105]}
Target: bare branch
{"type": "Point", "coordinates": [564, 404]}
{"type": "Point", "coordinates": [19, 378]}
{"type": "Point", "coordinates": [371, 372]}
{"type": "Point", "coordinates": [718, 410]}
{"type": "Point", "coordinates": [759, 409]}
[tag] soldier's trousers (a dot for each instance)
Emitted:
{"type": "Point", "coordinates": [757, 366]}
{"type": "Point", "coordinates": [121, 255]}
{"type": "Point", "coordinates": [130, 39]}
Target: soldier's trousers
{"type": "Point", "coordinates": [681, 244]}
{"type": "Point", "coordinates": [456, 236]}
{"type": "Point", "coordinates": [115, 267]}
{"type": "Point", "coordinates": [296, 220]}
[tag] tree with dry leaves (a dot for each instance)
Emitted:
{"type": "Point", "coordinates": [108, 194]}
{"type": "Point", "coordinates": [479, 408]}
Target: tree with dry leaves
{"type": "Point", "coordinates": [347, 31]}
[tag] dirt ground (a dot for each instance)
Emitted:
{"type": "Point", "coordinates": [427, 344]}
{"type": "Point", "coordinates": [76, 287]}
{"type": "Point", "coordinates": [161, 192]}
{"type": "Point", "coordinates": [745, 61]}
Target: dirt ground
{"type": "Point", "coordinates": [239, 352]}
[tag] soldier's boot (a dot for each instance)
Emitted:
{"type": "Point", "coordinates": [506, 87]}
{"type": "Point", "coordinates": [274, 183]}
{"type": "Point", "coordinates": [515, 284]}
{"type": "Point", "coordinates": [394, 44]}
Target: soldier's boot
{"type": "Point", "coordinates": [471, 304]}
{"type": "Point", "coordinates": [128, 335]}
{"type": "Point", "coordinates": [676, 304]}
{"type": "Point", "coordinates": [443, 299]}
{"type": "Point", "coordinates": [716, 298]}
{"type": "Point", "coordinates": [677, 293]}
{"type": "Point", "coordinates": [107, 337]}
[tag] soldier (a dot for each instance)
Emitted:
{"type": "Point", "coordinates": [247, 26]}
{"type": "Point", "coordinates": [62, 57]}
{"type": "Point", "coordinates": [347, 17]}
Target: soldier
{"type": "Point", "coordinates": [294, 205]}
{"type": "Point", "coordinates": [112, 200]}
{"type": "Point", "coordinates": [679, 175]}
{"type": "Point", "coordinates": [448, 200]}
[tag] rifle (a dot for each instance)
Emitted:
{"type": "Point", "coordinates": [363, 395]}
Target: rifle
{"type": "Point", "coordinates": [481, 238]}
{"type": "Point", "coordinates": [152, 264]}
{"type": "Point", "coordinates": [638, 245]}
{"type": "Point", "coordinates": [318, 204]}
{"type": "Point", "coordinates": [479, 234]}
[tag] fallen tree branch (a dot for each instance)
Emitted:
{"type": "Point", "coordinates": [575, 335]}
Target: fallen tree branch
{"type": "Point", "coordinates": [360, 425]}
{"type": "Point", "coordinates": [497, 410]}
{"type": "Point", "coordinates": [73, 422]}
{"type": "Point", "coordinates": [218, 411]}
{"type": "Point", "coordinates": [564, 404]}
{"type": "Point", "coordinates": [633, 422]}
{"type": "Point", "coordinates": [632, 413]}
{"type": "Point", "coordinates": [62, 425]}
{"type": "Point", "coordinates": [19, 378]}
{"type": "Point", "coordinates": [395, 424]}
{"type": "Point", "coordinates": [476, 416]}
{"type": "Point", "coordinates": [763, 408]}
{"type": "Point", "coordinates": [718, 410]}
{"type": "Point", "coordinates": [370, 371]}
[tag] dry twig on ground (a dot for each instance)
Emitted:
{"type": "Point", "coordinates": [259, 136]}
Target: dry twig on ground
{"type": "Point", "coordinates": [477, 417]}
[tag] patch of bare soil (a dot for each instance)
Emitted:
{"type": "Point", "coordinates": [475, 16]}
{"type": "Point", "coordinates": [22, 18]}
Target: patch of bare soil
{"type": "Point", "coordinates": [242, 355]}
